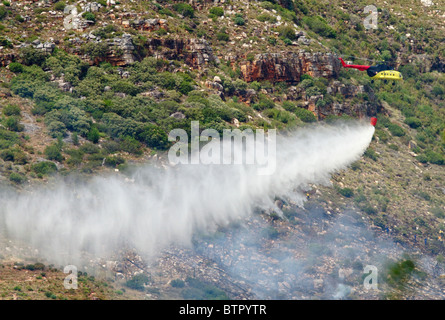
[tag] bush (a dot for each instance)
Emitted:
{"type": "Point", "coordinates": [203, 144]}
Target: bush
{"type": "Point", "coordinates": [93, 135]}
{"type": "Point", "coordinates": [95, 50]}
{"type": "Point", "coordinates": [199, 290]}
{"type": "Point", "coordinates": [154, 137]}
{"type": "Point", "coordinates": [266, 17]}
{"type": "Point", "coordinates": [435, 157]}
{"type": "Point", "coordinates": [413, 122]}
{"type": "Point", "coordinates": [184, 9]}
{"type": "Point", "coordinates": [17, 178]}
{"type": "Point", "coordinates": [239, 21]}
{"type": "Point", "coordinates": [3, 12]}
{"type": "Point", "coordinates": [11, 110]}
{"type": "Point", "coordinates": [44, 167]}
{"type": "Point", "coordinates": [177, 283]}
{"type": "Point", "coordinates": [222, 36]}
{"type": "Point", "coordinates": [19, 18]}
{"type": "Point", "coordinates": [396, 130]}
{"type": "Point", "coordinates": [319, 25]}
{"type": "Point", "coordinates": [137, 282]}
{"type": "Point", "coordinates": [53, 152]}
{"type": "Point", "coordinates": [371, 154]}
{"type": "Point", "coordinates": [13, 124]}
{"type": "Point", "coordinates": [56, 129]}
{"type": "Point", "coordinates": [369, 209]}
{"type": "Point", "coordinates": [31, 56]}
{"type": "Point", "coordinates": [264, 103]}
{"type": "Point", "coordinates": [346, 192]}
{"type": "Point", "coordinates": [437, 91]}
{"type": "Point", "coordinates": [305, 115]}
{"type": "Point", "coordinates": [16, 67]}
{"type": "Point", "coordinates": [89, 16]}
{"type": "Point", "coordinates": [287, 32]}
{"type": "Point", "coordinates": [59, 6]}
{"type": "Point", "coordinates": [217, 11]}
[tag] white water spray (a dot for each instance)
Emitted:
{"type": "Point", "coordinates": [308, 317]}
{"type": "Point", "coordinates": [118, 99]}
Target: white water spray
{"type": "Point", "coordinates": [163, 207]}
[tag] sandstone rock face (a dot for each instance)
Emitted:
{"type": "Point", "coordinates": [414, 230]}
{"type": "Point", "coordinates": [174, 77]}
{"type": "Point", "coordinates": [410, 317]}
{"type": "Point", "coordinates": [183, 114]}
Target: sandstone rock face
{"type": "Point", "coordinates": [289, 66]}
{"type": "Point", "coordinates": [369, 107]}
{"type": "Point", "coordinates": [149, 24]}
{"type": "Point", "coordinates": [122, 50]}
{"type": "Point", "coordinates": [194, 52]}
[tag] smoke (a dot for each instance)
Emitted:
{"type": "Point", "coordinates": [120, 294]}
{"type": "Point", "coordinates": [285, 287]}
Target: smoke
{"type": "Point", "coordinates": [155, 208]}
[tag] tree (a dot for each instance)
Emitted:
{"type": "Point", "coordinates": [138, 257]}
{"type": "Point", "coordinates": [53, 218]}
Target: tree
{"type": "Point", "coordinates": [53, 152]}
{"type": "Point", "coordinates": [154, 137]}
{"type": "Point", "coordinates": [93, 135]}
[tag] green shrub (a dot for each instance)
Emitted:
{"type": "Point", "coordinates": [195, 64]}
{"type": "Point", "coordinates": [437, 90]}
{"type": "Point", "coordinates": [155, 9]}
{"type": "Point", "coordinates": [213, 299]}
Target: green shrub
{"type": "Point", "coordinates": [131, 145]}
{"type": "Point", "coordinates": [16, 67]}
{"type": "Point", "coordinates": [13, 124]}
{"type": "Point", "coordinates": [44, 167]}
{"type": "Point", "coordinates": [222, 36]}
{"type": "Point", "coordinates": [266, 17]}
{"type": "Point", "coordinates": [371, 154]}
{"type": "Point", "coordinates": [53, 152]}
{"type": "Point", "coordinates": [305, 115]}
{"type": "Point", "coordinates": [89, 16]}
{"type": "Point", "coordinates": [114, 161]}
{"type": "Point", "coordinates": [346, 192]}
{"type": "Point", "coordinates": [19, 18]}
{"type": "Point", "coordinates": [319, 25]}
{"type": "Point", "coordinates": [199, 290]}
{"type": "Point", "coordinates": [396, 130]}
{"type": "Point", "coordinates": [31, 56]}
{"type": "Point", "coordinates": [399, 273]}
{"type": "Point", "coordinates": [369, 209]}
{"type": "Point", "coordinates": [239, 21]}
{"type": "Point", "coordinates": [11, 110]}
{"type": "Point", "coordinates": [154, 137]}
{"type": "Point", "coordinates": [413, 122]}
{"type": "Point", "coordinates": [287, 32]}
{"type": "Point", "coordinates": [184, 9]}
{"type": "Point", "coordinates": [59, 6]}
{"type": "Point", "coordinates": [435, 157]}
{"type": "Point", "coordinates": [17, 178]}
{"type": "Point", "coordinates": [93, 135]}
{"type": "Point", "coordinates": [56, 129]}
{"type": "Point", "coordinates": [95, 50]}
{"type": "Point", "coordinates": [437, 91]}
{"type": "Point", "coordinates": [217, 11]}
{"type": "Point", "coordinates": [3, 12]}
{"type": "Point", "coordinates": [137, 282]}
{"type": "Point", "coordinates": [177, 283]}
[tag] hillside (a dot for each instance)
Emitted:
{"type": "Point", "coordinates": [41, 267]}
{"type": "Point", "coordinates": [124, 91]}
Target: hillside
{"type": "Point", "coordinates": [99, 92]}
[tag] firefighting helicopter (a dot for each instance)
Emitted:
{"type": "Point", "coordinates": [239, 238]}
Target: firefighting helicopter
{"type": "Point", "coordinates": [377, 72]}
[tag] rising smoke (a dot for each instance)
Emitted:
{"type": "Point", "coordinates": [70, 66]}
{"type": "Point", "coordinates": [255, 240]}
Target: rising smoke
{"type": "Point", "coordinates": [156, 208]}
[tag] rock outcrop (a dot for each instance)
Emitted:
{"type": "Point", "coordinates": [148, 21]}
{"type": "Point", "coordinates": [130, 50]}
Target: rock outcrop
{"type": "Point", "coordinates": [194, 52]}
{"type": "Point", "coordinates": [289, 66]}
{"type": "Point", "coordinates": [6, 59]}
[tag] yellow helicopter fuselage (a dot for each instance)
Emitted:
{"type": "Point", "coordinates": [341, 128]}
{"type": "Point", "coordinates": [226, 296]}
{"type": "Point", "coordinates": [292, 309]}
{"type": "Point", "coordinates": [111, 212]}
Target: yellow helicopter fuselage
{"type": "Point", "coordinates": [388, 75]}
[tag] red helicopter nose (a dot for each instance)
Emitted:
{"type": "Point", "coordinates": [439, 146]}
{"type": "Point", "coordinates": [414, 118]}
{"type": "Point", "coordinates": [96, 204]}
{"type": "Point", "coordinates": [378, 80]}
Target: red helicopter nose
{"type": "Point", "coordinates": [374, 121]}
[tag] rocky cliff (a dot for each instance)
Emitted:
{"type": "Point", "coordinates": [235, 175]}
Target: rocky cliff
{"type": "Point", "coordinates": [289, 66]}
